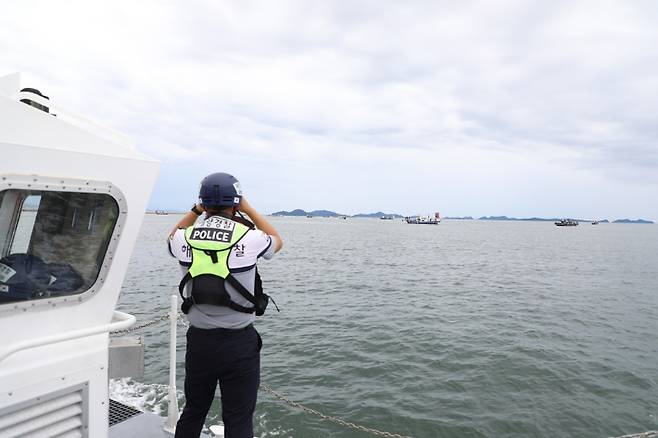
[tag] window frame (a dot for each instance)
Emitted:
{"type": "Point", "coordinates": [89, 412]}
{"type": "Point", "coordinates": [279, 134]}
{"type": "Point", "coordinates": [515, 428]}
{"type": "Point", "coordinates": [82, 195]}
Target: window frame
{"type": "Point", "coordinates": [45, 183]}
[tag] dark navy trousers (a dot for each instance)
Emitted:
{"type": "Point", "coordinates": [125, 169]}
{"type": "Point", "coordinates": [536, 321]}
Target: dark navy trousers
{"type": "Point", "coordinates": [232, 359]}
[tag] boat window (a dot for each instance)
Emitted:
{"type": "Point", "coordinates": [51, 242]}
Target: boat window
{"type": "Point", "coordinates": [52, 243]}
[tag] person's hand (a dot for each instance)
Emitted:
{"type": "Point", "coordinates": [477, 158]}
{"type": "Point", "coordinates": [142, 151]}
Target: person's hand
{"type": "Point", "coordinates": [188, 220]}
{"type": "Point", "coordinates": [261, 223]}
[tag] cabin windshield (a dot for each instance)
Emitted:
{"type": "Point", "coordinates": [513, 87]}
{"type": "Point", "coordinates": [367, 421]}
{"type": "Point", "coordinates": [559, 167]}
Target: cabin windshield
{"type": "Point", "coordinates": [52, 243]}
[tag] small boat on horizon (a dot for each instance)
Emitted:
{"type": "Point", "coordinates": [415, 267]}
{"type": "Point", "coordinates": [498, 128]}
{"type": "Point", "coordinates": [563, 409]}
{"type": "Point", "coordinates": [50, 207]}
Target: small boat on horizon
{"type": "Point", "coordinates": [566, 223]}
{"type": "Point", "coordinates": [420, 220]}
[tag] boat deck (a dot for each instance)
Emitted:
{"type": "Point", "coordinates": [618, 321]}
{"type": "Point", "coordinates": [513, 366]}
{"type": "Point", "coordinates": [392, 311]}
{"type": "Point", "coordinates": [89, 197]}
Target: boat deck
{"type": "Point", "coordinates": [128, 422]}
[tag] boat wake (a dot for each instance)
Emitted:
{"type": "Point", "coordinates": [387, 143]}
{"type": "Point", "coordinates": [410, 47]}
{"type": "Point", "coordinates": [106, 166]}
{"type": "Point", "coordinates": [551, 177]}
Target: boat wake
{"type": "Point", "coordinates": [154, 397]}
{"type": "Point", "coordinates": [150, 397]}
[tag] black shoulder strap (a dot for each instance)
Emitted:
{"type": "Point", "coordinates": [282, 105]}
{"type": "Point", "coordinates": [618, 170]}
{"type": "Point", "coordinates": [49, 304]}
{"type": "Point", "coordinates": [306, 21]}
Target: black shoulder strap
{"type": "Point", "coordinates": [259, 294]}
{"type": "Point", "coordinates": [243, 220]}
{"type": "Point", "coordinates": [240, 288]}
{"type": "Point", "coordinates": [235, 306]}
{"type": "Point", "coordinates": [183, 282]}
{"type": "Point", "coordinates": [258, 284]}
{"type": "Point", "coordinates": [187, 301]}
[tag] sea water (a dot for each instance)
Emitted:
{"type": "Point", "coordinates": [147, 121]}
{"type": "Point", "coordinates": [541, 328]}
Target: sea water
{"type": "Point", "coordinates": [463, 329]}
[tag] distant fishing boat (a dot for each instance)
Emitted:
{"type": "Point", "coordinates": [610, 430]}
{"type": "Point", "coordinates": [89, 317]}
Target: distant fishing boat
{"type": "Point", "coordinates": [595, 222]}
{"type": "Point", "coordinates": [566, 223]}
{"type": "Point", "coordinates": [427, 220]}
{"type": "Point", "coordinates": [386, 218]}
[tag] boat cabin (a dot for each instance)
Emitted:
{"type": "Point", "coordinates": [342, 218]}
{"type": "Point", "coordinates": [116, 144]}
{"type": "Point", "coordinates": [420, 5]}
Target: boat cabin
{"type": "Point", "coordinates": [72, 199]}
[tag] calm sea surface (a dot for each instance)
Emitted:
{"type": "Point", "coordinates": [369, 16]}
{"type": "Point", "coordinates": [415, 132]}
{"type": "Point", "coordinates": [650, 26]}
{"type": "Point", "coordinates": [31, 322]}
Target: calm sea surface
{"type": "Point", "coordinates": [465, 329]}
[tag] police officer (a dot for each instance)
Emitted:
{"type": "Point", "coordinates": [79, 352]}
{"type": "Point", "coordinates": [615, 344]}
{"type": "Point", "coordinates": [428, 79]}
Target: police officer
{"type": "Point", "coordinates": [222, 294]}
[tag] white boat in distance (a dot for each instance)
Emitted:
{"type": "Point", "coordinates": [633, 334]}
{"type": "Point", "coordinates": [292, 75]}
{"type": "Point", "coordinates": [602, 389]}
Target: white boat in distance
{"type": "Point", "coordinates": [566, 223]}
{"type": "Point", "coordinates": [424, 220]}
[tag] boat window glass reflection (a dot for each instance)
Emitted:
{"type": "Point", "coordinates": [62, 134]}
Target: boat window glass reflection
{"type": "Point", "coordinates": [52, 243]}
{"type": "Point", "coordinates": [25, 224]}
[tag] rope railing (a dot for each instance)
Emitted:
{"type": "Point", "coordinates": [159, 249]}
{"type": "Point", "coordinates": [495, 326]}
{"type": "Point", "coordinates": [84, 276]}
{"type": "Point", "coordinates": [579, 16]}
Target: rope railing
{"type": "Point", "coordinates": [268, 389]}
{"type": "Point", "coordinates": [152, 322]}
{"type": "Point", "coordinates": [181, 320]}
{"type": "Point", "coordinates": [330, 418]}
{"type": "Point", "coordinates": [143, 325]}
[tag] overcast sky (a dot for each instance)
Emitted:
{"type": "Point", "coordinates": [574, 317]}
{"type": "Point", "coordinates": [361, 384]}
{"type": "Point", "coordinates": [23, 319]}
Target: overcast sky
{"type": "Point", "coordinates": [523, 108]}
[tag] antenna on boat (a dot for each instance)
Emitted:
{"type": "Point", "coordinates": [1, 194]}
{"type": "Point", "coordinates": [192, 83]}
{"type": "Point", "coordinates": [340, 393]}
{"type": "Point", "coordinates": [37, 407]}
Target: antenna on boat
{"type": "Point", "coordinates": [33, 103]}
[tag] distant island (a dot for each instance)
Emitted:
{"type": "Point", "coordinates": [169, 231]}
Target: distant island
{"type": "Point", "coordinates": [544, 219]}
{"type": "Point", "coordinates": [378, 215]}
{"type": "Point", "coordinates": [631, 221]}
{"type": "Point", "coordinates": [531, 219]}
{"type": "Point", "coordinates": [300, 212]}
{"type": "Point", "coordinates": [326, 213]}
{"type": "Point", "coordinates": [459, 218]}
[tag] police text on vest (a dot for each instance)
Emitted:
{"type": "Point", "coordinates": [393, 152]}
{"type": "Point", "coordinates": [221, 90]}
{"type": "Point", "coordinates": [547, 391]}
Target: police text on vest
{"type": "Point", "coordinates": [211, 234]}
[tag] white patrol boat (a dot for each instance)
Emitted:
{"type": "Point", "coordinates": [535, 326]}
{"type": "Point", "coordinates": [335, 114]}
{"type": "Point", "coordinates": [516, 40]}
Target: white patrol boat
{"type": "Point", "coordinates": [72, 198]}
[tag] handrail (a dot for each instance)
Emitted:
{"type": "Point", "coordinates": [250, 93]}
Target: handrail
{"type": "Point", "coordinates": [124, 320]}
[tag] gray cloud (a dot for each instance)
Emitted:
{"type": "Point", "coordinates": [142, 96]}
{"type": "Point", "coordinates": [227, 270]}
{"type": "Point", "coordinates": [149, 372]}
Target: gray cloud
{"type": "Point", "coordinates": [423, 88]}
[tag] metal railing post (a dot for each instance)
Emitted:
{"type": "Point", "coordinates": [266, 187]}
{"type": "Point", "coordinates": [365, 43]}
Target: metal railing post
{"type": "Point", "coordinates": [172, 417]}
